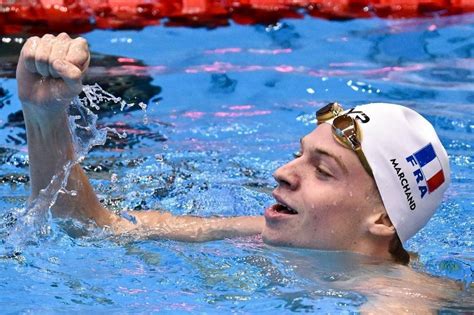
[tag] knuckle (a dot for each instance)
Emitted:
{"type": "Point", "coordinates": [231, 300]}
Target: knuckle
{"type": "Point", "coordinates": [30, 46]}
{"type": "Point", "coordinates": [81, 42]}
{"type": "Point", "coordinates": [82, 55]}
{"type": "Point", "coordinates": [32, 40]}
{"type": "Point", "coordinates": [47, 37]}
{"type": "Point", "coordinates": [63, 35]}
{"type": "Point", "coordinates": [77, 56]}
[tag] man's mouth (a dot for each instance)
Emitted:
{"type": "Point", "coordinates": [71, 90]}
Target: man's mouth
{"type": "Point", "coordinates": [282, 208]}
{"type": "Point", "coordinates": [279, 211]}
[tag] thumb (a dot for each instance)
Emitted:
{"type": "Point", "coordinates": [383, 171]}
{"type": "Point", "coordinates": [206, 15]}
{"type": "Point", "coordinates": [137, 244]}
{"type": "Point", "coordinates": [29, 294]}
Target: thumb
{"type": "Point", "coordinates": [71, 74]}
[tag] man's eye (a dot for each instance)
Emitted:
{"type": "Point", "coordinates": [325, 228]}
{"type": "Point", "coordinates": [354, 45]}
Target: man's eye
{"type": "Point", "coordinates": [322, 172]}
{"type": "Point", "coordinates": [297, 154]}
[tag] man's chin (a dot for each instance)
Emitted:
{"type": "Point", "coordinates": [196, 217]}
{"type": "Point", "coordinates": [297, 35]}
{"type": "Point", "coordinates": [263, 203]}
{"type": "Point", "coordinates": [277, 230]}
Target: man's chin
{"type": "Point", "coordinates": [276, 238]}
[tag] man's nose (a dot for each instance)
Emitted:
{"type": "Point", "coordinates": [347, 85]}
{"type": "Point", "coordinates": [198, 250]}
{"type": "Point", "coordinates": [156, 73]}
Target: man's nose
{"type": "Point", "coordinates": [286, 176]}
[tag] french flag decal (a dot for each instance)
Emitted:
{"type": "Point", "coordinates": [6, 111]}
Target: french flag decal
{"type": "Point", "coordinates": [431, 167]}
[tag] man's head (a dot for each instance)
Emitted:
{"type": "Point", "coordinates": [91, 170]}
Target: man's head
{"type": "Point", "coordinates": [335, 203]}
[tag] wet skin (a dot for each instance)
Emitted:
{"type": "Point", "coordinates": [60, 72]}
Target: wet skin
{"type": "Point", "coordinates": [333, 196]}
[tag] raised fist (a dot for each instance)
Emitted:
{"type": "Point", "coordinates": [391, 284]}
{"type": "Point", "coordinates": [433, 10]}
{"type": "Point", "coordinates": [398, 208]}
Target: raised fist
{"type": "Point", "coordinates": [50, 70]}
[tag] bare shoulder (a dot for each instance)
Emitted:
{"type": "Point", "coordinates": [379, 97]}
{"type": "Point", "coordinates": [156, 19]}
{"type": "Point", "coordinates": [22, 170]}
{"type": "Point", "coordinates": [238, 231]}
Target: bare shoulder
{"type": "Point", "coordinates": [409, 280]}
{"type": "Point", "coordinates": [404, 290]}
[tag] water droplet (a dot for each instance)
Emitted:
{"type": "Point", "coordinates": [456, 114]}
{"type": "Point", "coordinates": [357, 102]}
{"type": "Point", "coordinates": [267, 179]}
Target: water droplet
{"type": "Point", "coordinates": [113, 178]}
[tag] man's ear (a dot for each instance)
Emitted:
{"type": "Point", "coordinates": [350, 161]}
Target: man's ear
{"type": "Point", "coordinates": [380, 225]}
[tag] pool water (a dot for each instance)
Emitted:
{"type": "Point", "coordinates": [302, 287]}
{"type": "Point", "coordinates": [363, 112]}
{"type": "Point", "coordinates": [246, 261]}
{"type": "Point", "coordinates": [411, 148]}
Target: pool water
{"type": "Point", "coordinates": [226, 107]}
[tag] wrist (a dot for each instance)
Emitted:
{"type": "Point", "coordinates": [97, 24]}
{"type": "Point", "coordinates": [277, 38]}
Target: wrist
{"type": "Point", "coordinates": [44, 116]}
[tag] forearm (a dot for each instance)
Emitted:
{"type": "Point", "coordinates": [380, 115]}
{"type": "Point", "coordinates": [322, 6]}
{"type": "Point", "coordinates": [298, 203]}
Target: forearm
{"type": "Point", "coordinates": [154, 224]}
{"type": "Point", "coordinates": [50, 149]}
{"type": "Point", "coordinates": [50, 146]}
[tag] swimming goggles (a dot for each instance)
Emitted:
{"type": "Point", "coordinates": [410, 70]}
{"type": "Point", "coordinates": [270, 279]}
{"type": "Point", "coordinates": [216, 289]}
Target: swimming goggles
{"type": "Point", "coordinates": [345, 130]}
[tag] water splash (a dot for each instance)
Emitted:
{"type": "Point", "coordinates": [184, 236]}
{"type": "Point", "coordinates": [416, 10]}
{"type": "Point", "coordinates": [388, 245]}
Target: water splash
{"type": "Point", "coordinates": [34, 221]}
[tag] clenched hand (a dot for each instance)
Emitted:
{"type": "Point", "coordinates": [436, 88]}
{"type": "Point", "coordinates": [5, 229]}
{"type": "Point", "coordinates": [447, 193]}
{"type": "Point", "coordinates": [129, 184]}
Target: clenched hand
{"type": "Point", "coordinates": [50, 71]}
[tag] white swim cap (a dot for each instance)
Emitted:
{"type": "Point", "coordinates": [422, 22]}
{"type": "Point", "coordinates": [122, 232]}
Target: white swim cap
{"type": "Point", "coordinates": [408, 161]}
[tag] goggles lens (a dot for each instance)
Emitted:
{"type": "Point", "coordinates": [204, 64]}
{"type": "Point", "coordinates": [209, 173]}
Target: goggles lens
{"type": "Point", "coordinates": [345, 130]}
{"type": "Point", "coordinates": [329, 111]}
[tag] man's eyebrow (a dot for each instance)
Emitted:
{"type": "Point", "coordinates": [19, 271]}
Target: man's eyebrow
{"type": "Point", "coordinates": [333, 156]}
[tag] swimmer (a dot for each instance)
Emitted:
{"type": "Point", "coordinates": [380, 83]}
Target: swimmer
{"type": "Point", "coordinates": [365, 180]}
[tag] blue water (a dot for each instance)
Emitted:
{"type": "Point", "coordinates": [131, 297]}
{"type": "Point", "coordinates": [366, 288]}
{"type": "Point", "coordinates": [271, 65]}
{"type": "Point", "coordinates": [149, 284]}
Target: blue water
{"type": "Point", "coordinates": [226, 108]}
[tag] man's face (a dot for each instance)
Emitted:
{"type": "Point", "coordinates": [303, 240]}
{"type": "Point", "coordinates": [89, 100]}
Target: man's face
{"type": "Point", "coordinates": [328, 193]}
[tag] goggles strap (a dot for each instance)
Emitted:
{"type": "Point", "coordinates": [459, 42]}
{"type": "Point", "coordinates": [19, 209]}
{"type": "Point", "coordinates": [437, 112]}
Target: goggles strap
{"type": "Point", "coordinates": [364, 161]}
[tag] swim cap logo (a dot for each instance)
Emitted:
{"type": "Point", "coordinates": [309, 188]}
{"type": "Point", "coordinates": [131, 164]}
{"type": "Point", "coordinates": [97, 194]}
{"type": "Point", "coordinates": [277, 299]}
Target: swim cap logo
{"type": "Point", "coordinates": [429, 172]}
{"type": "Point", "coordinates": [404, 184]}
{"type": "Point", "coordinates": [360, 115]}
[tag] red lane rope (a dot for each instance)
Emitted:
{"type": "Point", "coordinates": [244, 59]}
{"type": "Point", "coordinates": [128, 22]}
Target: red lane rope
{"type": "Point", "coordinates": [78, 16]}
